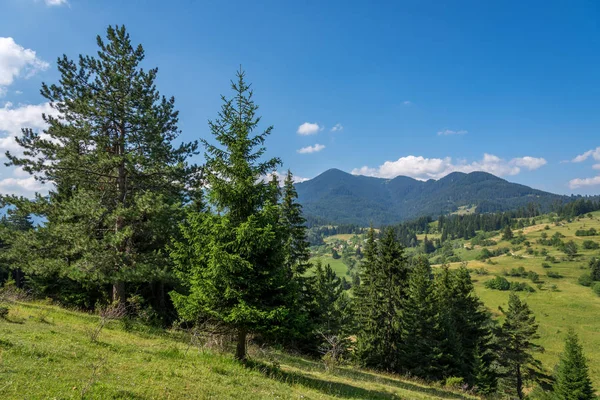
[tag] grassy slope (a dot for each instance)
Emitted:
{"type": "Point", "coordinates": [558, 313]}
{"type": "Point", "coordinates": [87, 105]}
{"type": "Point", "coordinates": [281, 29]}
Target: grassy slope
{"type": "Point", "coordinates": [45, 352]}
{"type": "Point", "coordinates": [571, 306]}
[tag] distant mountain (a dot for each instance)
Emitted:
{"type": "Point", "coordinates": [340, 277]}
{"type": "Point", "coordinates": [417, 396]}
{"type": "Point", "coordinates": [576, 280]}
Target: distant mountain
{"type": "Point", "coordinates": [339, 197]}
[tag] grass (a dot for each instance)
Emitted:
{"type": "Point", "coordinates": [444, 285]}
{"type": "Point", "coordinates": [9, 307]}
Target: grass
{"type": "Point", "coordinates": [46, 352]}
{"type": "Point", "coordinates": [338, 265]}
{"type": "Point", "coordinates": [569, 306]}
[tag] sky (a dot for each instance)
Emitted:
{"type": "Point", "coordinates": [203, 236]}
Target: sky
{"type": "Point", "coordinates": [417, 88]}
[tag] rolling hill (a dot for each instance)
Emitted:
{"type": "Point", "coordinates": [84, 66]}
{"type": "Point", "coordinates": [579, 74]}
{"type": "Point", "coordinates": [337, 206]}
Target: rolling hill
{"type": "Point", "coordinates": [339, 197]}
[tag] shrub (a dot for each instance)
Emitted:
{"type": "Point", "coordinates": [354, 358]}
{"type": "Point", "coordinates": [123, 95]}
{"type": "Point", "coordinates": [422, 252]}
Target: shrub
{"type": "Point", "coordinates": [554, 275]}
{"type": "Point", "coordinates": [498, 283]}
{"type": "Point", "coordinates": [590, 245]}
{"type": "Point", "coordinates": [585, 280]}
{"type": "Point", "coordinates": [596, 288]}
{"type": "Point", "coordinates": [546, 265]}
{"type": "Point", "coordinates": [454, 382]}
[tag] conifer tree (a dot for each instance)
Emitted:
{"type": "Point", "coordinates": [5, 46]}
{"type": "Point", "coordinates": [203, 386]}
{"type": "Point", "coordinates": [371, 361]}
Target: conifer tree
{"type": "Point", "coordinates": [595, 268]}
{"type": "Point", "coordinates": [507, 233]}
{"type": "Point", "coordinates": [420, 329]}
{"type": "Point", "coordinates": [332, 302]}
{"type": "Point", "coordinates": [572, 376]}
{"type": "Point", "coordinates": [297, 247]}
{"type": "Point", "coordinates": [234, 262]}
{"type": "Point", "coordinates": [117, 180]}
{"type": "Point", "coordinates": [379, 339]}
{"type": "Point", "coordinates": [516, 346]}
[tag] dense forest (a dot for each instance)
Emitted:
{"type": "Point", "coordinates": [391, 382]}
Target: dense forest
{"type": "Point", "coordinates": [132, 224]}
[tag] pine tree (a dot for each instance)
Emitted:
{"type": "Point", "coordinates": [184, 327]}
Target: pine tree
{"type": "Point", "coordinates": [379, 336]}
{"type": "Point", "coordinates": [118, 182]}
{"type": "Point", "coordinates": [572, 377]}
{"type": "Point", "coordinates": [516, 346]}
{"type": "Point", "coordinates": [420, 330]}
{"type": "Point", "coordinates": [331, 301]}
{"type": "Point", "coordinates": [297, 246]}
{"type": "Point", "coordinates": [507, 233]}
{"type": "Point", "coordinates": [234, 262]}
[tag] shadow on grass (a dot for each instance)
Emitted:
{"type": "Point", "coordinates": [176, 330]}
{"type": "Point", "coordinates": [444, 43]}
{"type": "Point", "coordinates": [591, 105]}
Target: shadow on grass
{"type": "Point", "coordinates": [371, 377]}
{"type": "Point", "coordinates": [366, 376]}
{"type": "Point", "coordinates": [337, 389]}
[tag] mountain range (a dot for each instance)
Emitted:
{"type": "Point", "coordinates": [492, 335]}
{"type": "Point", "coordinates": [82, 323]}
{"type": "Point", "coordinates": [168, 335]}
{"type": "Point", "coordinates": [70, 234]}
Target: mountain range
{"type": "Point", "coordinates": [341, 198]}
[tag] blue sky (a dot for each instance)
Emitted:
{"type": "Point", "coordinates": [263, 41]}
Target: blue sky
{"type": "Point", "coordinates": [418, 88]}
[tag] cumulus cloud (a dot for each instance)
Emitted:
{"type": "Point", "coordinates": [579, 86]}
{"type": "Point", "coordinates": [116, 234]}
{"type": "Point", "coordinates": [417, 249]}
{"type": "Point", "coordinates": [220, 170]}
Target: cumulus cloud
{"type": "Point", "coordinates": [17, 61]}
{"type": "Point", "coordinates": [13, 119]}
{"type": "Point", "coordinates": [309, 128]}
{"type": "Point", "coordinates": [596, 166]}
{"type": "Point", "coordinates": [595, 153]}
{"type": "Point", "coordinates": [337, 128]}
{"type": "Point", "coordinates": [422, 168]}
{"type": "Point", "coordinates": [311, 149]}
{"type": "Point", "coordinates": [584, 182]}
{"type": "Point", "coordinates": [447, 132]}
{"type": "Point", "coordinates": [407, 103]}
{"type": "Point", "coordinates": [54, 3]}
{"type": "Point", "coordinates": [281, 177]}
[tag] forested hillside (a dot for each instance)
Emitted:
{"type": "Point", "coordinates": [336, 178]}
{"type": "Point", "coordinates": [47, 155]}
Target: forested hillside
{"type": "Point", "coordinates": [341, 198]}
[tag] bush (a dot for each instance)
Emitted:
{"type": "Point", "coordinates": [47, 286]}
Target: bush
{"type": "Point", "coordinates": [498, 283]}
{"type": "Point", "coordinates": [585, 280]}
{"type": "Point", "coordinates": [454, 382]}
{"type": "Point", "coordinates": [596, 288]}
{"type": "Point", "coordinates": [590, 245]}
{"type": "Point", "coordinates": [546, 265]}
{"type": "Point", "coordinates": [554, 275]}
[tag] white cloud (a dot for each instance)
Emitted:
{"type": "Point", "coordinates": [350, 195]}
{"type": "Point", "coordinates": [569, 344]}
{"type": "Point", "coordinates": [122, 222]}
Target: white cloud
{"type": "Point", "coordinates": [17, 61]}
{"type": "Point", "coordinates": [337, 128]}
{"type": "Point", "coordinates": [281, 177]}
{"type": "Point", "coordinates": [422, 168]}
{"type": "Point", "coordinates": [311, 149]}
{"type": "Point", "coordinates": [52, 3]}
{"type": "Point", "coordinates": [407, 103]}
{"type": "Point", "coordinates": [595, 153]}
{"type": "Point", "coordinates": [583, 182]}
{"type": "Point", "coordinates": [21, 186]}
{"type": "Point", "coordinates": [530, 163]}
{"type": "Point", "coordinates": [596, 166]}
{"type": "Point", "coordinates": [447, 132]}
{"type": "Point", "coordinates": [309, 128]}
{"type": "Point", "coordinates": [12, 120]}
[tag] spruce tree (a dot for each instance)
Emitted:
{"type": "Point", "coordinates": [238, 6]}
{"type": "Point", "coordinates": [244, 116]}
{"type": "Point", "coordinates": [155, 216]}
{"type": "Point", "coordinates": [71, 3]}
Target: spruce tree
{"type": "Point", "coordinates": [379, 339]}
{"type": "Point", "coordinates": [594, 265]}
{"type": "Point", "coordinates": [331, 301]}
{"type": "Point", "coordinates": [516, 346]}
{"type": "Point", "coordinates": [297, 247]}
{"type": "Point", "coordinates": [420, 329]}
{"type": "Point", "coordinates": [117, 182]}
{"type": "Point", "coordinates": [233, 261]}
{"type": "Point", "coordinates": [507, 233]}
{"type": "Point", "coordinates": [572, 376]}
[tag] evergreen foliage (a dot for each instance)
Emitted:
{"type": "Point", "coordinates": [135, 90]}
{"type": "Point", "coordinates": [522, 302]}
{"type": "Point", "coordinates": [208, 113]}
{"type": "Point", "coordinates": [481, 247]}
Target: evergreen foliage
{"type": "Point", "coordinates": [572, 377]}
{"type": "Point", "coordinates": [119, 181]}
{"type": "Point", "coordinates": [234, 263]}
{"type": "Point", "coordinates": [516, 346]}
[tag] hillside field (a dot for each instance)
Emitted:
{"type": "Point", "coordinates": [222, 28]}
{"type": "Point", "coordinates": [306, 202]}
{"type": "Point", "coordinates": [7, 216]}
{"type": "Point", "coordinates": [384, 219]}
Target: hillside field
{"type": "Point", "coordinates": [46, 353]}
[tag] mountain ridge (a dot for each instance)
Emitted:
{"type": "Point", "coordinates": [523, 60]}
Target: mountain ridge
{"type": "Point", "coordinates": [339, 197]}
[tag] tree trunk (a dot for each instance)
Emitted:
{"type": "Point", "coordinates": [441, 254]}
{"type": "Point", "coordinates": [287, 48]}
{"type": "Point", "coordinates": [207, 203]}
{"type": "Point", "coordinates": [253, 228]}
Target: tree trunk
{"type": "Point", "coordinates": [519, 383]}
{"type": "Point", "coordinates": [240, 351]}
{"type": "Point", "coordinates": [118, 293]}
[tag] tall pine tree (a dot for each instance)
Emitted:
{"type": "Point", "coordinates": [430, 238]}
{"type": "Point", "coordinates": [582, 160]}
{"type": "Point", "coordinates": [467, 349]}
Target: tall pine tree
{"type": "Point", "coordinates": [385, 281]}
{"type": "Point", "coordinates": [234, 262]}
{"type": "Point", "coordinates": [117, 180]}
{"type": "Point", "coordinates": [420, 326]}
{"type": "Point", "coordinates": [516, 346]}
